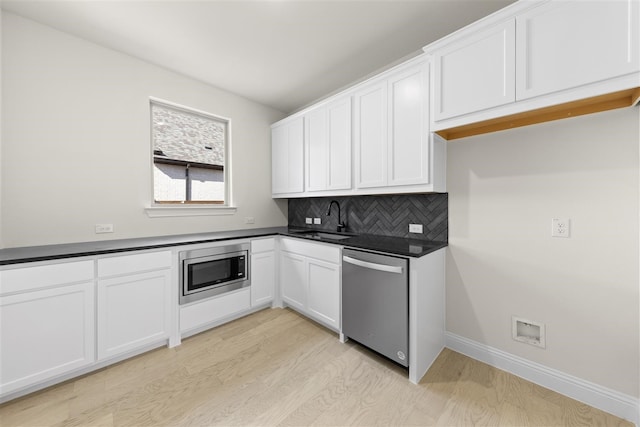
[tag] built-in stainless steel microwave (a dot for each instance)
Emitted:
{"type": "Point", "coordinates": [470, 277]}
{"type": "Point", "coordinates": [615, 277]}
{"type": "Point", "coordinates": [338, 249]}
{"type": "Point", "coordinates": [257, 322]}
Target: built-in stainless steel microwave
{"type": "Point", "coordinates": [213, 271]}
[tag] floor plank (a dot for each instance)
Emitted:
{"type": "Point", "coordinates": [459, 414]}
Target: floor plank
{"type": "Point", "coordinates": [275, 367]}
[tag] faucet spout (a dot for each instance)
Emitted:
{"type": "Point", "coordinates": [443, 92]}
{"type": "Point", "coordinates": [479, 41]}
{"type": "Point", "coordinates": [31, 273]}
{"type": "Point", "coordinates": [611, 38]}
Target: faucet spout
{"type": "Point", "coordinates": [341, 225]}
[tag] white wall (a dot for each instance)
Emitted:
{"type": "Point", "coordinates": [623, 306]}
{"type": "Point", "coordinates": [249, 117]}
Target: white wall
{"type": "Point", "coordinates": [1, 119]}
{"type": "Point", "coordinates": [504, 188]}
{"type": "Point", "coordinates": [76, 141]}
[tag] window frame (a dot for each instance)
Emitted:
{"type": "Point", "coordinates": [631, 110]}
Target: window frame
{"type": "Point", "coordinates": [191, 208]}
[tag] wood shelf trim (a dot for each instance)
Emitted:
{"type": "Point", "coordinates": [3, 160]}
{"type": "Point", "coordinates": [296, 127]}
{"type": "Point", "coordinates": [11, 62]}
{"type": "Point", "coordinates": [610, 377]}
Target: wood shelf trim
{"type": "Point", "coordinates": [610, 101]}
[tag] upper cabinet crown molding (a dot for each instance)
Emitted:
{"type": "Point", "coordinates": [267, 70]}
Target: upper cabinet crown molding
{"type": "Point", "coordinates": [568, 57]}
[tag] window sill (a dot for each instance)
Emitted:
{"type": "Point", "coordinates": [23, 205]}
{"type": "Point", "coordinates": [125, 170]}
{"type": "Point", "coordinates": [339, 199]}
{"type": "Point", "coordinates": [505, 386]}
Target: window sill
{"type": "Point", "coordinates": [157, 211]}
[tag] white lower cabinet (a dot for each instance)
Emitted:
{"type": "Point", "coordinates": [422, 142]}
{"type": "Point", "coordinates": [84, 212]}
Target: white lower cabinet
{"type": "Point", "coordinates": [133, 311]}
{"type": "Point", "coordinates": [323, 300]}
{"type": "Point", "coordinates": [293, 280]}
{"type": "Point", "coordinates": [134, 307]}
{"type": "Point", "coordinates": [263, 271]}
{"type": "Point", "coordinates": [310, 276]}
{"type": "Point", "coordinates": [208, 313]}
{"type": "Point", "coordinates": [46, 325]}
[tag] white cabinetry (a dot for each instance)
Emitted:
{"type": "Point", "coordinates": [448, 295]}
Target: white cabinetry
{"type": "Point", "coordinates": [310, 276]}
{"type": "Point", "coordinates": [263, 271]}
{"type": "Point", "coordinates": [287, 158]}
{"type": "Point", "coordinates": [372, 138]}
{"type": "Point", "coordinates": [293, 280]}
{"type": "Point", "coordinates": [392, 143]}
{"type": "Point", "coordinates": [536, 61]}
{"type": "Point", "coordinates": [476, 72]}
{"type": "Point", "coordinates": [323, 291]}
{"type": "Point", "coordinates": [46, 322]}
{"type": "Point", "coordinates": [205, 314]}
{"type": "Point", "coordinates": [133, 302]}
{"type": "Point", "coordinates": [371, 135]}
{"type": "Point", "coordinates": [328, 146]}
{"type": "Point", "coordinates": [565, 44]}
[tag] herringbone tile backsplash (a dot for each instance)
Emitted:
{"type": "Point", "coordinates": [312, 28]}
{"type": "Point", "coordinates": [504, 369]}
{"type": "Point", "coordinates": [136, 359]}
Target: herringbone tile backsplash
{"type": "Point", "coordinates": [388, 215]}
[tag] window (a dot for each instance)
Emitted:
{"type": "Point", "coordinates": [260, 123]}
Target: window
{"type": "Point", "coordinates": [189, 151]}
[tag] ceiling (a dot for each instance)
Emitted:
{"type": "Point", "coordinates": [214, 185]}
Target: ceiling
{"type": "Point", "coordinates": [281, 53]}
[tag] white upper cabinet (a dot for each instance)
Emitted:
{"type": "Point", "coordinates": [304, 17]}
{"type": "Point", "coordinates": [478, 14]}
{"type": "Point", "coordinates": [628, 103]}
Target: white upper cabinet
{"type": "Point", "coordinates": [371, 135]}
{"type": "Point", "coordinates": [287, 158]}
{"type": "Point", "coordinates": [373, 138]}
{"type": "Point", "coordinates": [476, 72]}
{"type": "Point", "coordinates": [391, 129]}
{"type": "Point", "coordinates": [536, 61]}
{"type": "Point", "coordinates": [339, 144]}
{"type": "Point", "coordinates": [565, 44]}
{"type": "Point", "coordinates": [408, 127]}
{"type": "Point", "coordinates": [328, 146]}
{"type": "Point", "coordinates": [315, 141]}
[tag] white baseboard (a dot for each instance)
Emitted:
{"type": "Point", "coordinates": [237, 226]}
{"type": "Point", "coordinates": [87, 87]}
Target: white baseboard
{"type": "Point", "coordinates": [611, 401]}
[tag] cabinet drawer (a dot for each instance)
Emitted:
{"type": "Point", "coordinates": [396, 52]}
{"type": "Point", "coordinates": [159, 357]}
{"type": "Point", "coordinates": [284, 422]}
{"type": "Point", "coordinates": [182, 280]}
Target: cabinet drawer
{"type": "Point", "coordinates": [215, 309]}
{"type": "Point", "coordinates": [128, 264]}
{"type": "Point", "coordinates": [263, 245]}
{"type": "Point", "coordinates": [44, 276]}
{"type": "Point", "coordinates": [319, 251]}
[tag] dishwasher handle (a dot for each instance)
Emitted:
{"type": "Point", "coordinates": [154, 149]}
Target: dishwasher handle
{"type": "Point", "coordinates": [372, 265]}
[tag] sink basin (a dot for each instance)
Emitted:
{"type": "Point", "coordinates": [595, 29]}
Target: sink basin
{"type": "Point", "coordinates": [323, 234]}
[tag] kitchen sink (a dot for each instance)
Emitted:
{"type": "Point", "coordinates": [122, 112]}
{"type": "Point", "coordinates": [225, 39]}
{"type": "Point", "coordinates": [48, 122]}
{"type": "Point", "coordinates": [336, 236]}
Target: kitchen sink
{"type": "Point", "coordinates": [323, 234]}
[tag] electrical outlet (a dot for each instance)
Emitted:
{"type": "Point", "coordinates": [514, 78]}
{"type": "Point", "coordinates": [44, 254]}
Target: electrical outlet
{"type": "Point", "coordinates": [104, 228]}
{"type": "Point", "coordinates": [560, 227]}
{"type": "Point", "coordinates": [415, 228]}
{"type": "Point", "coordinates": [249, 220]}
{"type": "Point", "coordinates": [308, 221]}
{"type": "Point", "coordinates": [317, 221]}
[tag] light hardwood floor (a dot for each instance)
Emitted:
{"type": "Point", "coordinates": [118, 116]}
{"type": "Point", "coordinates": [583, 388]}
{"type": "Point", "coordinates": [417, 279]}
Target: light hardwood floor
{"type": "Point", "coordinates": [278, 368]}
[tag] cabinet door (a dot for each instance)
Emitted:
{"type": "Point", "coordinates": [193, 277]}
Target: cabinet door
{"type": "Point", "coordinates": [315, 128]}
{"type": "Point", "coordinates": [292, 280]}
{"type": "Point", "coordinates": [408, 150]}
{"type": "Point", "coordinates": [370, 112]}
{"type": "Point", "coordinates": [475, 73]}
{"type": "Point", "coordinates": [565, 44]}
{"type": "Point", "coordinates": [323, 300]}
{"type": "Point", "coordinates": [263, 277]}
{"type": "Point", "coordinates": [287, 157]}
{"type": "Point", "coordinates": [44, 334]}
{"type": "Point", "coordinates": [133, 311]}
{"type": "Point", "coordinates": [339, 144]}
{"type": "Point", "coordinates": [328, 146]}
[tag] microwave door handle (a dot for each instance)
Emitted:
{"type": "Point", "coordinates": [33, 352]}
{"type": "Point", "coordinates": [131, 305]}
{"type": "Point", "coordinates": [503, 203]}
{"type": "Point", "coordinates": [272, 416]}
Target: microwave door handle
{"type": "Point", "coordinates": [372, 265]}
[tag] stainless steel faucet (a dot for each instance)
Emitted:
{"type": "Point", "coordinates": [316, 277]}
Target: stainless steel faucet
{"type": "Point", "coordinates": [341, 226]}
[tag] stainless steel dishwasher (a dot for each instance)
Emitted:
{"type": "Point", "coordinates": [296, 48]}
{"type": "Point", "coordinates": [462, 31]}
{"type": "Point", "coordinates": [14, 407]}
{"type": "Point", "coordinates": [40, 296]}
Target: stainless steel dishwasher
{"type": "Point", "coordinates": [375, 302]}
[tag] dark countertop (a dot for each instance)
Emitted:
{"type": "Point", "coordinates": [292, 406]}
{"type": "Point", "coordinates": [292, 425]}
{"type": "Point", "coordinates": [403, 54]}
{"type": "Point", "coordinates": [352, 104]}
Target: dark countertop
{"type": "Point", "coordinates": [414, 248]}
{"type": "Point", "coordinates": [393, 245]}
